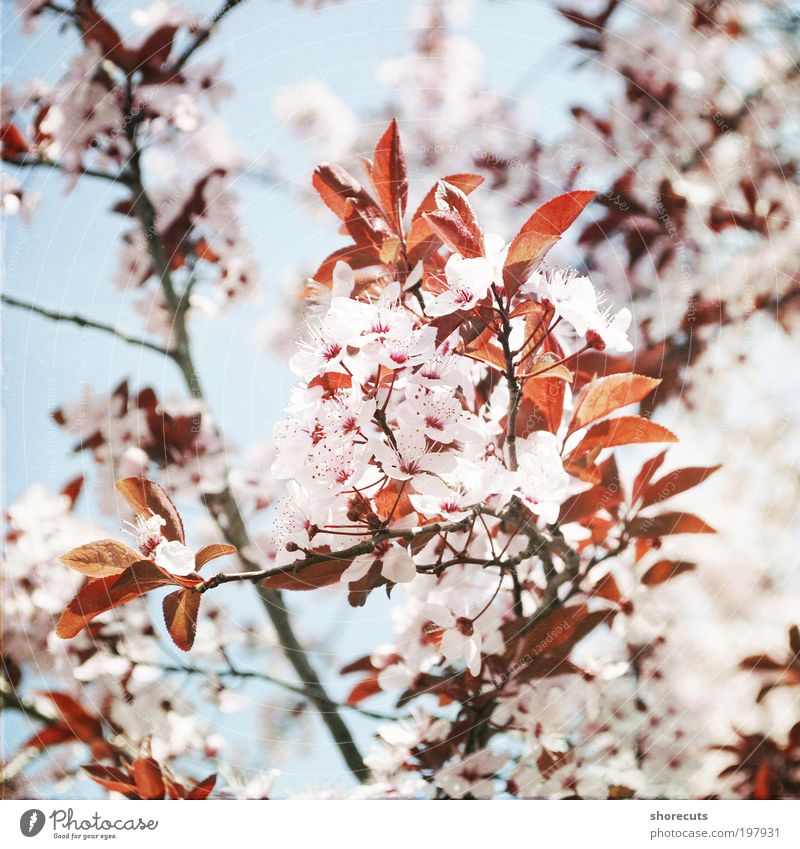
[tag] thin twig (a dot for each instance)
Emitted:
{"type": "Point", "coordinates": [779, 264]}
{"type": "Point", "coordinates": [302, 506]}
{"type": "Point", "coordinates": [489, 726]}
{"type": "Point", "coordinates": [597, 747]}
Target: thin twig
{"type": "Point", "coordinates": [249, 674]}
{"type": "Point", "coordinates": [203, 34]}
{"type": "Point", "coordinates": [83, 321]}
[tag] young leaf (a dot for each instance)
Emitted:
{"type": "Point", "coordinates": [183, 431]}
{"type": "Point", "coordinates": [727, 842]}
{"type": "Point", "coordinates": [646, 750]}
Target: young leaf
{"type": "Point", "coordinates": [664, 570]}
{"type": "Point", "coordinates": [623, 430]}
{"type": "Point", "coordinates": [212, 552]}
{"type": "Point", "coordinates": [454, 221]}
{"type": "Point", "coordinates": [538, 234]}
{"type": "Point", "coordinates": [606, 394]}
{"type": "Point", "coordinates": [101, 558]}
{"type": "Point", "coordinates": [146, 497]}
{"type": "Point", "coordinates": [421, 241]}
{"type": "Point", "coordinates": [103, 594]}
{"type": "Point", "coordinates": [454, 232]}
{"type": "Point", "coordinates": [675, 482]}
{"type": "Point", "coordinates": [311, 577]}
{"type": "Point", "coordinates": [148, 777]}
{"type": "Point", "coordinates": [651, 527]}
{"type": "Point", "coordinates": [389, 176]}
{"type": "Point", "coordinates": [180, 617]}
{"type": "Point", "coordinates": [649, 468]}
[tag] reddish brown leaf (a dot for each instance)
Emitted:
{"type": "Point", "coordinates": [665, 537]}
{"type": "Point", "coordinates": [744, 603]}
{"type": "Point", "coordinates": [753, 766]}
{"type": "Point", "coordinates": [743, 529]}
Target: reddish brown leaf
{"type": "Point", "coordinates": [541, 406]}
{"type": "Point", "coordinates": [422, 241]}
{"type": "Point", "coordinates": [389, 175]}
{"type": "Point", "coordinates": [148, 777]}
{"type": "Point", "coordinates": [538, 234]}
{"type": "Point", "coordinates": [525, 253]}
{"type": "Point", "coordinates": [202, 789]}
{"type": "Point", "coordinates": [606, 394]}
{"type": "Point", "coordinates": [675, 482]}
{"type": "Point", "coordinates": [212, 552]}
{"type": "Point", "coordinates": [345, 197]}
{"type": "Point", "coordinates": [623, 430]}
{"type": "Point", "coordinates": [364, 689]}
{"type": "Point", "coordinates": [13, 142]}
{"type": "Point", "coordinates": [649, 468]}
{"type": "Point", "coordinates": [180, 617]}
{"type": "Point", "coordinates": [312, 577]}
{"type": "Point", "coordinates": [112, 779]}
{"type": "Point", "coordinates": [588, 502]}
{"type": "Point", "coordinates": [664, 570]}
{"type": "Point", "coordinates": [451, 229]}
{"type": "Point", "coordinates": [650, 527]}
{"type": "Point", "coordinates": [101, 558]}
{"type": "Point", "coordinates": [156, 48]}
{"type": "Point", "coordinates": [332, 382]}
{"type": "Point", "coordinates": [103, 594]}
{"type": "Point", "coordinates": [454, 221]}
{"type": "Point", "coordinates": [146, 497]}
{"type": "Point", "coordinates": [608, 589]}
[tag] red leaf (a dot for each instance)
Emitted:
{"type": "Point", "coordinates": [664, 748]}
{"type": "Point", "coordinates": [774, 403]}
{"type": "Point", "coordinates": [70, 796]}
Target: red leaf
{"type": "Point", "coordinates": [156, 48]}
{"type": "Point", "coordinates": [650, 527]}
{"type": "Point", "coordinates": [608, 589]}
{"type": "Point", "coordinates": [337, 188]}
{"type": "Point", "coordinates": [146, 497]}
{"type": "Point", "coordinates": [674, 482]}
{"type": "Point", "coordinates": [606, 394]}
{"type": "Point", "coordinates": [454, 221]}
{"type": "Point", "coordinates": [112, 779]}
{"type": "Point", "coordinates": [212, 552]}
{"type": "Point", "coordinates": [332, 382]}
{"type": "Point", "coordinates": [649, 468]}
{"type": "Point", "coordinates": [389, 176]}
{"type": "Point", "coordinates": [623, 430]}
{"type": "Point", "coordinates": [452, 230]}
{"type": "Point", "coordinates": [101, 558]}
{"type": "Point", "coordinates": [538, 234]}
{"type": "Point", "coordinates": [97, 30]}
{"type": "Point", "coordinates": [664, 570]}
{"type": "Point", "coordinates": [103, 594]}
{"type": "Point", "coordinates": [73, 489]}
{"type": "Point", "coordinates": [311, 577]}
{"type": "Point", "coordinates": [149, 780]}
{"type": "Point", "coordinates": [422, 241]}
{"type": "Point", "coordinates": [180, 617]}
{"type": "Point", "coordinates": [13, 142]}
{"type": "Point", "coordinates": [363, 690]}
{"type": "Point", "coordinates": [588, 502]}
{"type": "Point", "coordinates": [556, 216]}
{"type": "Point", "coordinates": [203, 788]}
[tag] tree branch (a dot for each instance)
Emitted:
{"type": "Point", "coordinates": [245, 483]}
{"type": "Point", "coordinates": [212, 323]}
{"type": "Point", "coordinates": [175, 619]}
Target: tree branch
{"type": "Point", "coordinates": [203, 34]}
{"type": "Point", "coordinates": [82, 321]}
{"type": "Point", "coordinates": [359, 548]}
{"type": "Point", "coordinates": [222, 506]}
{"type": "Point", "coordinates": [34, 162]}
{"type": "Point", "coordinates": [247, 674]}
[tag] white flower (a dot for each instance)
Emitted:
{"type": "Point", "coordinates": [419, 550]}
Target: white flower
{"type": "Point", "coordinates": [410, 457]}
{"type": "Point", "coordinates": [575, 300]}
{"type": "Point", "coordinates": [175, 557]}
{"type": "Point", "coordinates": [541, 477]}
{"type": "Point", "coordinates": [396, 565]}
{"type": "Point", "coordinates": [614, 330]}
{"type": "Point", "coordinates": [462, 638]}
{"type": "Point", "coordinates": [438, 414]}
{"type": "Point", "coordinates": [471, 775]}
{"type": "Point", "coordinates": [469, 279]}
